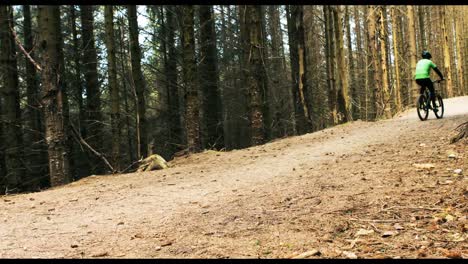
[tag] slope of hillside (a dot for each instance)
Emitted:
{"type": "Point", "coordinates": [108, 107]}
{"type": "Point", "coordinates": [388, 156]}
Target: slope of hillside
{"type": "Point", "coordinates": [378, 189]}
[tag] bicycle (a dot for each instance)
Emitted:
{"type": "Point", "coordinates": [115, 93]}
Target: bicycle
{"type": "Point", "coordinates": [424, 104]}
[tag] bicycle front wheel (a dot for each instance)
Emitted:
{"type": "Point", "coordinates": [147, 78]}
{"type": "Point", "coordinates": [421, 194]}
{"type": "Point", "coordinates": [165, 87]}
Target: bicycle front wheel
{"type": "Point", "coordinates": [440, 105]}
{"type": "Point", "coordinates": [422, 107]}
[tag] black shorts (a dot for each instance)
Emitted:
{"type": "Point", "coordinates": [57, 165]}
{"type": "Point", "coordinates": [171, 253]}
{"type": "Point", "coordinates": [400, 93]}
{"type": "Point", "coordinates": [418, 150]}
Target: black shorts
{"type": "Point", "coordinates": [426, 83]}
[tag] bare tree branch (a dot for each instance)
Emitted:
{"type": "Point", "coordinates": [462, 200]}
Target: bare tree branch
{"type": "Point", "coordinates": [82, 141]}
{"type": "Point", "coordinates": [24, 51]}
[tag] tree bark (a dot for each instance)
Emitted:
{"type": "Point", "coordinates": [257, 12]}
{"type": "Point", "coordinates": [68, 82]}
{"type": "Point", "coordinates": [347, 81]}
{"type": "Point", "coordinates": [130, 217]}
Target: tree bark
{"type": "Point", "coordinates": [359, 71]}
{"type": "Point", "coordinates": [405, 72]}
{"type": "Point", "coordinates": [52, 98]}
{"type": "Point", "coordinates": [302, 78]}
{"type": "Point", "coordinates": [384, 97]}
{"type": "Point", "coordinates": [3, 171]}
{"type": "Point", "coordinates": [460, 52]}
{"type": "Point", "coordinates": [280, 99]}
{"type": "Point", "coordinates": [413, 87]}
{"type": "Point", "coordinates": [212, 108]}
{"type": "Point", "coordinates": [330, 65]}
{"type": "Point", "coordinates": [375, 69]}
{"type": "Point", "coordinates": [395, 37]}
{"type": "Point", "coordinates": [11, 103]}
{"type": "Point", "coordinates": [113, 86]}
{"type": "Point", "coordinates": [464, 47]}
{"type": "Point", "coordinates": [124, 77]}
{"type": "Point", "coordinates": [352, 69]}
{"type": "Point", "coordinates": [93, 99]}
{"type": "Point", "coordinates": [447, 66]}
{"type": "Point", "coordinates": [34, 121]}
{"type": "Point", "coordinates": [422, 32]}
{"type": "Point", "coordinates": [138, 82]}
{"type": "Point", "coordinates": [294, 21]}
{"type": "Point", "coordinates": [170, 69]}
{"type": "Point", "coordinates": [78, 82]}
{"type": "Point", "coordinates": [317, 103]}
{"type": "Point", "coordinates": [254, 71]}
{"type": "Point", "coordinates": [189, 74]}
{"type": "Point", "coordinates": [368, 83]}
{"type": "Point", "coordinates": [293, 58]}
{"type": "Point", "coordinates": [343, 90]}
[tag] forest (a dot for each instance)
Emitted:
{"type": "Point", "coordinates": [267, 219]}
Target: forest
{"type": "Point", "coordinates": [92, 90]}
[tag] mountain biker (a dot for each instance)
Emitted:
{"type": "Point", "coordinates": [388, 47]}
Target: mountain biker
{"type": "Point", "coordinates": [422, 75]}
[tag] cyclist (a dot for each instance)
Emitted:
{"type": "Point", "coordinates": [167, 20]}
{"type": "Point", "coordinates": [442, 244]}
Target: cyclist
{"type": "Point", "coordinates": [422, 75]}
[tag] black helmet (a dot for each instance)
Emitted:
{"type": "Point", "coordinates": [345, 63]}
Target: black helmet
{"type": "Point", "coordinates": [426, 55]}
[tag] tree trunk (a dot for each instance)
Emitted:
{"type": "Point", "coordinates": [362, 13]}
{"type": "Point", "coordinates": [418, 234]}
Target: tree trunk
{"type": "Point", "coordinates": [422, 32]}
{"type": "Point", "coordinates": [113, 86]}
{"type": "Point", "coordinates": [395, 37]}
{"type": "Point", "coordinates": [413, 87]}
{"type": "Point", "coordinates": [343, 90]}
{"type": "Point", "coordinates": [3, 171]}
{"type": "Point", "coordinates": [234, 94]}
{"type": "Point", "coordinates": [63, 86]}
{"type": "Point", "coordinates": [33, 133]}
{"type": "Point", "coordinates": [375, 69]}
{"type": "Point", "coordinates": [405, 72]}
{"type": "Point", "coordinates": [302, 78]}
{"type": "Point", "coordinates": [461, 52]}
{"type": "Point", "coordinates": [11, 103]}
{"type": "Point", "coordinates": [388, 60]}
{"type": "Point", "coordinates": [254, 71]}
{"type": "Point", "coordinates": [451, 45]}
{"type": "Point", "coordinates": [352, 69]}
{"type": "Point", "coordinates": [189, 73]}
{"type": "Point", "coordinates": [330, 65]}
{"type": "Point", "coordinates": [125, 73]}
{"type": "Point", "coordinates": [361, 66]}
{"type": "Point", "coordinates": [464, 44]}
{"type": "Point", "coordinates": [93, 99]}
{"type": "Point", "coordinates": [293, 58]}
{"type": "Point", "coordinates": [368, 83]}
{"type": "Point", "coordinates": [447, 67]}
{"type": "Point", "coordinates": [52, 96]}
{"type": "Point", "coordinates": [138, 82]}
{"type": "Point", "coordinates": [293, 19]}
{"type": "Point", "coordinates": [78, 83]}
{"type": "Point", "coordinates": [384, 97]}
{"type": "Point", "coordinates": [317, 95]}
{"type": "Point", "coordinates": [82, 163]}
{"type": "Point", "coordinates": [212, 108]}
{"type": "Point", "coordinates": [170, 69]}
{"type": "Point", "coordinates": [280, 98]}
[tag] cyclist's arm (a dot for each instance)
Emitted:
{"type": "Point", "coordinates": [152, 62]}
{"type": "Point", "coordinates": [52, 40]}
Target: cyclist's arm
{"type": "Point", "coordinates": [439, 73]}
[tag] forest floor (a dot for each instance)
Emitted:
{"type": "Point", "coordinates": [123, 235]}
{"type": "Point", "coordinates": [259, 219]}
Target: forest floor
{"type": "Point", "coordinates": [381, 189]}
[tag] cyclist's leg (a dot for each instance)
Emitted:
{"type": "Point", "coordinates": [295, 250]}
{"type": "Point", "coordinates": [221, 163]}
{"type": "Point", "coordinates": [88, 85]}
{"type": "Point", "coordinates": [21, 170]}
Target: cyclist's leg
{"type": "Point", "coordinates": [430, 86]}
{"type": "Point", "coordinates": [421, 83]}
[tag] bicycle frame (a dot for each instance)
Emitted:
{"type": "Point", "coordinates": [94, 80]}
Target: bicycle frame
{"type": "Point", "coordinates": [428, 96]}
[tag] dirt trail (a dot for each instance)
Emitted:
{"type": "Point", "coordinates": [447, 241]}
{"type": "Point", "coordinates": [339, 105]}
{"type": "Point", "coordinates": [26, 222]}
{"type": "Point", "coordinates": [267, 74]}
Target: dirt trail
{"type": "Point", "coordinates": [311, 192]}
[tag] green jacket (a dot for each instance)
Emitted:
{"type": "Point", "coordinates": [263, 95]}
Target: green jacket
{"type": "Point", "coordinates": [423, 69]}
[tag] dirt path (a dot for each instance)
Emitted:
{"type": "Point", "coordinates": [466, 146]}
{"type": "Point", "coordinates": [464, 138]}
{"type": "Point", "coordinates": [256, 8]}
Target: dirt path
{"type": "Point", "coordinates": [351, 189]}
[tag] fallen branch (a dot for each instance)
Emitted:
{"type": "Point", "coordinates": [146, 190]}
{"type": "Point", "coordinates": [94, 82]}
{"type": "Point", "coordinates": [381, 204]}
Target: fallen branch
{"type": "Point", "coordinates": [412, 208]}
{"type": "Point", "coordinates": [131, 165]}
{"type": "Point", "coordinates": [24, 51]}
{"type": "Point", "coordinates": [82, 141]}
{"type": "Point", "coordinates": [378, 220]}
{"type": "Point", "coordinates": [462, 132]}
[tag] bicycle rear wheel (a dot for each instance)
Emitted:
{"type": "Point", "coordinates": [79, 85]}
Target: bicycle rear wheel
{"type": "Point", "coordinates": [422, 107]}
{"type": "Point", "coordinates": [440, 105]}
